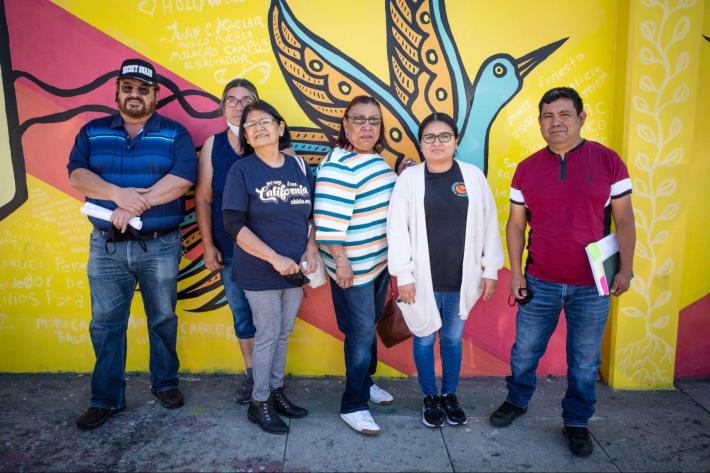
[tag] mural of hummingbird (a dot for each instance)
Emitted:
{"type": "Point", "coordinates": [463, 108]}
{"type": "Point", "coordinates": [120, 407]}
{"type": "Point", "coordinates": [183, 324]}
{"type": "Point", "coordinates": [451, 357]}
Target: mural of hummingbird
{"type": "Point", "coordinates": [426, 75]}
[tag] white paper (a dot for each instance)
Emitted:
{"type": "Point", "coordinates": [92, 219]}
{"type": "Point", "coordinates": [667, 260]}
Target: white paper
{"type": "Point", "coordinates": [93, 210]}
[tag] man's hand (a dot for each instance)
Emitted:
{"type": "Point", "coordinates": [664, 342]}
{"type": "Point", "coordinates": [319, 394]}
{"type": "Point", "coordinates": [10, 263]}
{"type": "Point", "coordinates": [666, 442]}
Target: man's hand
{"type": "Point", "coordinates": [213, 258]}
{"type": "Point", "coordinates": [621, 284]}
{"type": "Point", "coordinates": [517, 282]}
{"type": "Point", "coordinates": [407, 293]}
{"type": "Point", "coordinates": [488, 288]}
{"type": "Point", "coordinates": [120, 218]}
{"type": "Point", "coordinates": [131, 199]}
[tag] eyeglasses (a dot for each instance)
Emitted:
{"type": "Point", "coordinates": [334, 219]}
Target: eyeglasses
{"type": "Point", "coordinates": [263, 123]}
{"type": "Point", "coordinates": [361, 119]}
{"type": "Point", "coordinates": [431, 138]}
{"type": "Point", "coordinates": [230, 101]}
{"type": "Point", "coordinates": [142, 89]}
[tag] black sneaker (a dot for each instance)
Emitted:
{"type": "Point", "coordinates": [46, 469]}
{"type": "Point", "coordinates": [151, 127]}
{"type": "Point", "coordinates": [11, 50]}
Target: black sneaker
{"type": "Point", "coordinates": [243, 393]}
{"type": "Point", "coordinates": [454, 414]}
{"type": "Point", "coordinates": [432, 413]}
{"type": "Point", "coordinates": [94, 417]}
{"type": "Point", "coordinates": [506, 414]}
{"type": "Point", "coordinates": [580, 443]}
{"type": "Point", "coordinates": [264, 414]}
{"type": "Point", "coordinates": [285, 407]}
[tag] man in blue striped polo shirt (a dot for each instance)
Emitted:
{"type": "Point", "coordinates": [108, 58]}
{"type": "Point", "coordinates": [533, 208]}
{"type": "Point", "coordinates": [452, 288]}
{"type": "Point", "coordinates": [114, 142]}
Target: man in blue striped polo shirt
{"type": "Point", "coordinates": [137, 164]}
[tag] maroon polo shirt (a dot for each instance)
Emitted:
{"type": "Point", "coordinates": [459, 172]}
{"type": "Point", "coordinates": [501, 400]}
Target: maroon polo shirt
{"type": "Point", "coordinates": [568, 206]}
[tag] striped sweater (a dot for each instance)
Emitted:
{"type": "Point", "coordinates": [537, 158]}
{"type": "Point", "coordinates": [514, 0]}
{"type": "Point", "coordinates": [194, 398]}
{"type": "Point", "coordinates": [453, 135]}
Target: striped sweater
{"type": "Point", "coordinates": [350, 208]}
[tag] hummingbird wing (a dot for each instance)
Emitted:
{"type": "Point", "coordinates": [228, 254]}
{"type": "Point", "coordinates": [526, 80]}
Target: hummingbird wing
{"type": "Point", "coordinates": [323, 80]}
{"type": "Point", "coordinates": [426, 71]}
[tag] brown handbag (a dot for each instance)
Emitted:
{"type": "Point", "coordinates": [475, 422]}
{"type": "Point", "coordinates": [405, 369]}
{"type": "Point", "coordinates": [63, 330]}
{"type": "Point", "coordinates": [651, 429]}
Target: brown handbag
{"type": "Point", "coordinates": [392, 328]}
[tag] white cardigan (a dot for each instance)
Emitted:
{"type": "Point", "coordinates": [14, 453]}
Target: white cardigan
{"type": "Point", "coordinates": [408, 247]}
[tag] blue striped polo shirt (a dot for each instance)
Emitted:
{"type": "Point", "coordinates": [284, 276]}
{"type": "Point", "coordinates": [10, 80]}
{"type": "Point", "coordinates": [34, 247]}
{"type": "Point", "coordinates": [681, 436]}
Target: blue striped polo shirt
{"type": "Point", "coordinates": [163, 147]}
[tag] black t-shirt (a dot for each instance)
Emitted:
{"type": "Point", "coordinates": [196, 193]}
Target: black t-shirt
{"type": "Point", "coordinates": [446, 207]}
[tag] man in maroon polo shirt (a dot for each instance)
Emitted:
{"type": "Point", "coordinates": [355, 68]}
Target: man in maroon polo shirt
{"type": "Point", "coordinates": [567, 193]}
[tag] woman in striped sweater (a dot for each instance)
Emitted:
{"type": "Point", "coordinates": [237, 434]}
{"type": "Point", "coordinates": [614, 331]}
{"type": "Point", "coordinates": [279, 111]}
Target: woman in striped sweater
{"type": "Point", "coordinates": [353, 188]}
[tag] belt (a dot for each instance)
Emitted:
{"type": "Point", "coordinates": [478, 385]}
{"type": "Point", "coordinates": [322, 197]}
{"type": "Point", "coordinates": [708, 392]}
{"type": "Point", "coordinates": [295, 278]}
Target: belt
{"type": "Point", "coordinates": [133, 235]}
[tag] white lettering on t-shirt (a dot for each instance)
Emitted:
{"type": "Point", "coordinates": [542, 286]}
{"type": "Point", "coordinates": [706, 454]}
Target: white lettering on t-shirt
{"type": "Point", "coordinates": [275, 191]}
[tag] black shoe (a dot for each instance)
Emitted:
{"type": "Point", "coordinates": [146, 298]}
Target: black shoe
{"type": "Point", "coordinates": [580, 443]}
{"type": "Point", "coordinates": [285, 407]}
{"type": "Point", "coordinates": [170, 399]}
{"type": "Point", "coordinates": [94, 417]}
{"type": "Point", "coordinates": [264, 414]}
{"type": "Point", "coordinates": [243, 394]}
{"type": "Point", "coordinates": [432, 413]}
{"type": "Point", "coordinates": [454, 414]}
{"type": "Point", "coordinates": [506, 414]}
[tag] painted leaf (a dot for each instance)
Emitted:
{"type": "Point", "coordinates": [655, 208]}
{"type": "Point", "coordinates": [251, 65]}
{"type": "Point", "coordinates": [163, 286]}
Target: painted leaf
{"type": "Point", "coordinates": [662, 299]}
{"type": "Point", "coordinates": [638, 285]}
{"type": "Point", "coordinates": [641, 250]}
{"type": "Point", "coordinates": [661, 322]}
{"type": "Point", "coordinates": [666, 188]}
{"type": "Point", "coordinates": [647, 134]}
{"type": "Point", "coordinates": [670, 212]}
{"type": "Point", "coordinates": [640, 104]}
{"type": "Point", "coordinates": [682, 27]}
{"type": "Point", "coordinates": [641, 161]}
{"type": "Point", "coordinates": [660, 237]}
{"type": "Point", "coordinates": [641, 221]}
{"type": "Point", "coordinates": [646, 84]}
{"type": "Point", "coordinates": [666, 268]}
{"type": "Point", "coordinates": [673, 158]}
{"type": "Point", "coordinates": [648, 30]}
{"type": "Point", "coordinates": [681, 93]}
{"type": "Point", "coordinates": [632, 312]}
{"type": "Point", "coordinates": [676, 127]}
{"type": "Point", "coordinates": [647, 57]}
{"type": "Point", "coordinates": [640, 187]}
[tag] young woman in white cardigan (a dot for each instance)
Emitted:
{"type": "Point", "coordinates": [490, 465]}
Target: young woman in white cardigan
{"type": "Point", "coordinates": [445, 251]}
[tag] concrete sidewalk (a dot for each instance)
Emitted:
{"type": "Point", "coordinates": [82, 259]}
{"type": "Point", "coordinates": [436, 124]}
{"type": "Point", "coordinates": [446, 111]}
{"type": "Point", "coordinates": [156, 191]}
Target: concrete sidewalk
{"type": "Point", "coordinates": [633, 431]}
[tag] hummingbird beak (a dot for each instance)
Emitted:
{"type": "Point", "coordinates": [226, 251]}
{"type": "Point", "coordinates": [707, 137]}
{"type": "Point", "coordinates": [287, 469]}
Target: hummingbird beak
{"type": "Point", "coordinates": [527, 63]}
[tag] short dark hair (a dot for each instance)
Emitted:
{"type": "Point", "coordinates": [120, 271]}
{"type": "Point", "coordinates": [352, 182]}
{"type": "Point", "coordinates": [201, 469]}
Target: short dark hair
{"type": "Point", "coordinates": [343, 141]}
{"type": "Point", "coordinates": [284, 140]}
{"type": "Point", "coordinates": [238, 82]}
{"type": "Point", "coordinates": [562, 93]}
{"type": "Point", "coordinates": [438, 117]}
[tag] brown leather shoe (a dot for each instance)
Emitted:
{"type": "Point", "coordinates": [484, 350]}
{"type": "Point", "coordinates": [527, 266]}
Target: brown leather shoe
{"type": "Point", "coordinates": [170, 399]}
{"type": "Point", "coordinates": [94, 417]}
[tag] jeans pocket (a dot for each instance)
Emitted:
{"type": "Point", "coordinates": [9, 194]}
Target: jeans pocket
{"type": "Point", "coordinates": [170, 239]}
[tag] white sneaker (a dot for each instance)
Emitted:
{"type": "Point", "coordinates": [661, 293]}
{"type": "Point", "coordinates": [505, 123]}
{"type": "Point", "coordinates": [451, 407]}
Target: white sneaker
{"type": "Point", "coordinates": [362, 422]}
{"type": "Point", "coordinates": [380, 396]}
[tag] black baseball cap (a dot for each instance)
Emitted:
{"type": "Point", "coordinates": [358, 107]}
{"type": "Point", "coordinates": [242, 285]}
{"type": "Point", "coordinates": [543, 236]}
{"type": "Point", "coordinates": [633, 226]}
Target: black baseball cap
{"type": "Point", "coordinates": [138, 69]}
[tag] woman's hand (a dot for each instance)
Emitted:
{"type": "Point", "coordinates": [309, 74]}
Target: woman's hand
{"type": "Point", "coordinates": [284, 265]}
{"type": "Point", "coordinates": [213, 258]}
{"type": "Point", "coordinates": [344, 275]}
{"type": "Point", "coordinates": [488, 288]}
{"type": "Point", "coordinates": [407, 293]}
{"type": "Point", "coordinates": [310, 258]}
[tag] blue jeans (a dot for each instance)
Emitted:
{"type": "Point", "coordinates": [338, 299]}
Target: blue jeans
{"type": "Point", "coordinates": [357, 310]}
{"type": "Point", "coordinates": [241, 311]}
{"type": "Point", "coordinates": [586, 313]}
{"type": "Point", "coordinates": [450, 335]}
{"type": "Point", "coordinates": [112, 280]}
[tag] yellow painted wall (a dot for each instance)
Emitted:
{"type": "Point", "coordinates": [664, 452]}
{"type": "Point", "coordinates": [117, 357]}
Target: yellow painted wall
{"type": "Point", "coordinates": [645, 109]}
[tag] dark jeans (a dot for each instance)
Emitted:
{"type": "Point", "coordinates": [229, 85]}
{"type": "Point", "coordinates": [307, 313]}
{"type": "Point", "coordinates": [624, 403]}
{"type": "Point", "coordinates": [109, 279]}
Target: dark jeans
{"type": "Point", "coordinates": [357, 310]}
{"type": "Point", "coordinates": [112, 280]}
{"type": "Point", "coordinates": [586, 313]}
